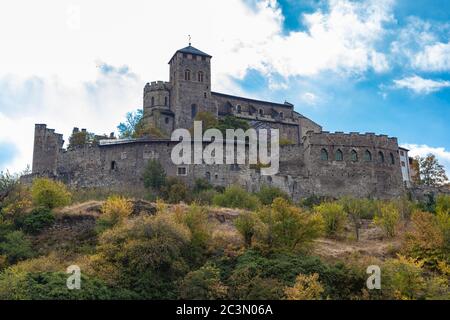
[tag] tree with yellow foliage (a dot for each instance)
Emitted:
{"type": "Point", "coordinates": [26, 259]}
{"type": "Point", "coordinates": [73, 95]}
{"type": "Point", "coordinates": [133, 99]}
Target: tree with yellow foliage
{"type": "Point", "coordinates": [306, 287]}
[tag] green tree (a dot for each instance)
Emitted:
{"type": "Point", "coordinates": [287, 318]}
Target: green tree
{"type": "Point", "coordinates": [267, 194]}
{"type": "Point", "coordinates": [203, 284]}
{"type": "Point", "coordinates": [49, 193]}
{"type": "Point", "coordinates": [388, 218]}
{"type": "Point", "coordinates": [232, 122]}
{"type": "Point", "coordinates": [334, 218]}
{"type": "Point", "coordinates": [128, 128]}
{"type": "Point", "coordinates": [208, 120]}
{"type": "Point", "coordinates": [16, 247]}
{"type": "Point", "coordinates": [81, 138]}
{"type": "Point", "coordinates": [246, 225]}
{"type": "Point", "coordinates": [154, 175]}
{"type": "Point", "coordinates": [236, 197]}
{"type": "Point", "coordinates": [431, 172]}
{"type": "Point", "coordinates": [287, 227]}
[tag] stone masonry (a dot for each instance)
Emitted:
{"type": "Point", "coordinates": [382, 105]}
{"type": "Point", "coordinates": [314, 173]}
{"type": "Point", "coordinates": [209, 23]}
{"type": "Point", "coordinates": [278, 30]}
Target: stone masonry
{"type": "Point", "coordinates": [313, 162]}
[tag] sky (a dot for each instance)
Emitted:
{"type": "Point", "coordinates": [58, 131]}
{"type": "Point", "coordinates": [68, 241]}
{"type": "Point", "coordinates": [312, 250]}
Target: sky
{"type": "Point", "coordinates": [378, 66]}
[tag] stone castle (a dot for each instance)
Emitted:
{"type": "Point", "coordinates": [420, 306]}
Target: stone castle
{"type": "Point", "coordinates": [314, 162]}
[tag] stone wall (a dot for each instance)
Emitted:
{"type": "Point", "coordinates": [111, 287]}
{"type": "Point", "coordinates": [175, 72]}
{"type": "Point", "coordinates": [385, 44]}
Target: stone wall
{"type": "Point", "coordinates": [47, 147]}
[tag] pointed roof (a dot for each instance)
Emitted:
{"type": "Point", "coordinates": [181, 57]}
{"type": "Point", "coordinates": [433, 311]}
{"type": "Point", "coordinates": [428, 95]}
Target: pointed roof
{"type": "Point", "coordinates": [191, 50]}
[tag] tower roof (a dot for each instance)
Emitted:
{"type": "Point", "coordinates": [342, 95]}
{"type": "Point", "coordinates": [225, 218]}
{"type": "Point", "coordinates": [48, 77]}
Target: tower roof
{"type": "Point", "coordinates": [191, 50]}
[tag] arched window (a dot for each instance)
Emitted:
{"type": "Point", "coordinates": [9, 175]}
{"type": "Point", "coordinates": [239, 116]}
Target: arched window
{"type": "Point", "coordinates": [193, 111]}
{"type": "Point", "coordinates": [339, 156]}
{"type": "Point", "coordinates": [392, 158]}
{"type": "Point", "coordinates": [208, 176]}
{"type": "Point", "coordinates": [113, 165]}
{"type": "Point", "coordinates": [261, 112]}
{"type": "Point", "coordinates": [367, 156]}
{"type": "Point", "coordinates": [324, 155]}
{"type": "Point", "coordinates": [381, 157]}
{"type": "Point", "coordinates": [281, 115]}
{"type": "Point", "coordinates": [187, 75]}
{"type": "Point", "coordinates": [153, 101]}
{"type": "Point", "coordinates": [238, 108]}
{"type": "Point", "coordinates": [166, 100]}
{"type": "Point", "coordinates": [354, 155]}
{"type": "Point", "coordinates": [166, 120]}
{"type": "Point", "coordinates": [200, 76]}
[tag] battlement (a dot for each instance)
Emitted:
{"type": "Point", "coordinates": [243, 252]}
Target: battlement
{"type": "Point", "coordinates": [340, 134]}
{"type": "Point", "coordinates": [157, 85]}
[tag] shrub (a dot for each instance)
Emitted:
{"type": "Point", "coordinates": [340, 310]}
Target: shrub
{"type": "Point", "coordinates": [16, 203]}
{"type": "Point", "coordinates": [38, 219]}
{"type": "Point", "coordinates": [49, 193]}
{"type": "Point", "coordinates": [196, 219]}
{"type": "Point", "coordinates": [306, 287]}
{"type": "Point", "coordinates": [205, 197]}
{"type": "Point", "coordinates": [287, 227]}
{"type": "Point", "coordinates": [16, 247]}
{"type": "Point", "coordinates": [339, 281]}
{"type": "Point", "coordinates": [114, 210]}
{"type": "Point", "coordinates": [202, 185]}
{"type": "Point", "coordinates": [443, 204]}
{"type": "Point", "coordinates": [388, 218]}
{"type": "Point", "coordinates": [402, 279]}
{"type": "Point", "coordinates": [236, 197]}
{"type": "Point", "coordinates": [425, 240]}
{"type": "Point", "coordinates": [175, 191]}
{"type": "Point", "coordinates": [246, 224]}
{"type": "Point", "coordinates": [267, 194]}
{"type": "Point", "coordinates": [334, 218]}
{"type": "Point", "coordinates": [203, 284]}
{"type": "Point", "coordinates": [145, 256]}
{"type": "Point", "coordinates": [154, 175]}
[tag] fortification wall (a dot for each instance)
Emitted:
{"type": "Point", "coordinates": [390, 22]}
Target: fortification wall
{"type": "Point", "coordinates": [47, 147]}
{"type": "Point", "coordinates": [373, 172]}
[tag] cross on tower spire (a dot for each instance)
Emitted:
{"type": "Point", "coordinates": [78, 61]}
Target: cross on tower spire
{"type": "Point", "coordinates": [189, 39]}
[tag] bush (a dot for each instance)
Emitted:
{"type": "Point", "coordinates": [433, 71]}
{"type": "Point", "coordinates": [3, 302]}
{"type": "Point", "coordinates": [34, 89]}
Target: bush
{"type": "Point", "coordinates": [202, 185]}
{"type": "Point", "coordinates": [37, 220]}
{"type": "Point", "coordinates": [16, 247]}
{"type": "Point", "coordinates": [305, 288]}
{"type": "Point", "coordinates": [154, 175]}
{"type": "Point", "coordinates": [18, 284]}
{"type": "Point", "coordinates": [286, 227]}
{"type": "Point", "coordinates": [246, 225]}
{"type": "Point", "coordinates": [426, 240]}
{"type": "Point", "coordinates": [267, 194]}
{"type": "Point", "coordinates": [334, 218]}
{"type": "Point", "coordinates": [236, 197]}
{"type": "Point", "coordinates": [203, 284]}
{"type": "Point", "coordinates": [145, 256]}
{"type": "Point", "coordinates": [402, 279]}
{"type": "Point", "coordinates": [175, 191]}
{"type": "Point", "coordinates": [16, 204]}
{"type": "Point", "coordinates": [205, 197]}
{"type": "Point", "coordinates": [114, 210]}
{"type": "Point", "coordinates": [196, 219]}
{"type": "Point", "coordinates": [338, 280]}
{"type": "Point", "coordinates": [388, 218]}
{"type": "Point", "coordinates": [49, 193]}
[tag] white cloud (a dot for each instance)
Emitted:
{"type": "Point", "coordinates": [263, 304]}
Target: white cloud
{"type": "Point", "coordinates": [309, 98]}
{"type": "Point", "coordinates": [422, 150]}
{"type": "Point", "coordinates": [420, 85]}
{"type": "Point", "coordinates": [97, 105]}
{"type": "Point", "coordinates": [47, 69]}
{"type": "Point", "coordinates": [422, 46]}
{"type": "Point", "coordinates": [434, 57]}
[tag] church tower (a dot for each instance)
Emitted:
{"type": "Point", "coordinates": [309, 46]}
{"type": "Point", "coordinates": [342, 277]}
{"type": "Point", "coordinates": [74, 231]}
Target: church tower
{"type": "Point", "coordinates": [190, 79]}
